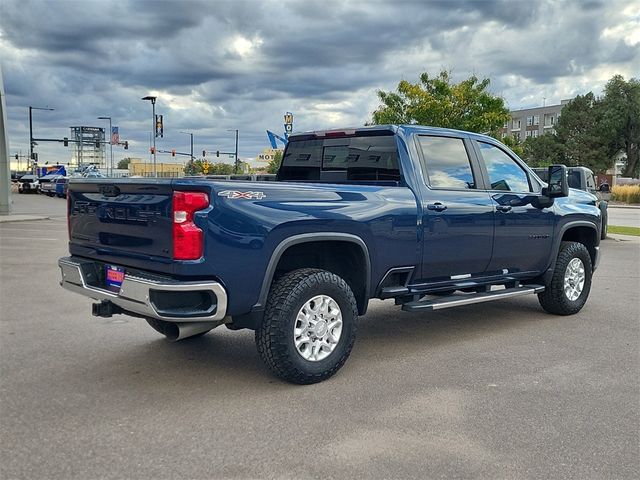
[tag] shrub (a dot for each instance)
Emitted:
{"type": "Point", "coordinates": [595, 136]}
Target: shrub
{"type": "Point", "coordinates": [626, 193]}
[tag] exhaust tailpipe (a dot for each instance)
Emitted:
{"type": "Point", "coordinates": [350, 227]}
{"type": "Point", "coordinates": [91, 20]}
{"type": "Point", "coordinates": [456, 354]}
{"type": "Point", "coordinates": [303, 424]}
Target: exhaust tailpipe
{"type": "Point", "coordinates": [182, 330]}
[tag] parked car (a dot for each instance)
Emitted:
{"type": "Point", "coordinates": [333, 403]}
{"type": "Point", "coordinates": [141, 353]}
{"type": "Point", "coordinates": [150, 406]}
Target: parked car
{"type": "Point", "coordinates": [62, 183]}
{"type": "Point", "coordinates": [583, 178]}
{"type": "Point", "coordinates": [28, 184]}
{"type": "Point", "coordinates": [48, 185]}
{"type": "Point", "coordinates": [432, 218]}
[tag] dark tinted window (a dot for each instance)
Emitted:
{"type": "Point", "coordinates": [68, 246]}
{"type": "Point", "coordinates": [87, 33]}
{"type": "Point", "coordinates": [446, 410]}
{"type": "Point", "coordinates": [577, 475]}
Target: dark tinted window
{"type": "Point", "coordinates": [573, 178]}
{"type": "Point", "coordinates": [369, 158]}
{"type": "Point", "coordinates": [504, 172]}
{"type": "Point", "coordinates": [447, 162]}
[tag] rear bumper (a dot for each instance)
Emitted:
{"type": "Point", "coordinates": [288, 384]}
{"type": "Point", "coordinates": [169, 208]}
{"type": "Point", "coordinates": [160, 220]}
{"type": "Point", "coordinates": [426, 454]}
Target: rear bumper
{"type": "Point", "coordinates": [146, 295]}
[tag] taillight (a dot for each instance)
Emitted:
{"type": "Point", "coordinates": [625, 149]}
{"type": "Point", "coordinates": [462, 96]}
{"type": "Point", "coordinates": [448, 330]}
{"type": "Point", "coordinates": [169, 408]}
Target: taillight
{"type": "Point", "coordinates": [188, 240]}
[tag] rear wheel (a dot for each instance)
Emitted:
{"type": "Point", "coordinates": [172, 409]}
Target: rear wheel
{"type": "Point", "coordinates": [309, 326]}
{"type": "Point", "coordinates": [568, 290]}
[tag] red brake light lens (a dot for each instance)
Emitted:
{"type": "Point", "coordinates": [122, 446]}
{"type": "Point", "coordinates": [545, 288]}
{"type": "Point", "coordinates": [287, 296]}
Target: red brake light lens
{"type": "Point", "coordinates": [188, 239]}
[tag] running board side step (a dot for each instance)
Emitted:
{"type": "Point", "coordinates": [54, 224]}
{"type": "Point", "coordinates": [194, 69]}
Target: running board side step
{"type": "Point", "coordinates": [471, 298]}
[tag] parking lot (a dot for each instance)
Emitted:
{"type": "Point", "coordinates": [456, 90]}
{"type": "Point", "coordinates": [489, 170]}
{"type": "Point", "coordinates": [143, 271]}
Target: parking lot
{"type": "Point", "coordinates": [496, 390]}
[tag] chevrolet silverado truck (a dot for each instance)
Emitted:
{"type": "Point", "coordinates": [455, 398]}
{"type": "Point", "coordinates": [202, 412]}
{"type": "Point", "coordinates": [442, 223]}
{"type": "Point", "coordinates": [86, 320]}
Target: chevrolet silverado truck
{"type": "Point", "coordinates": [431, 218]}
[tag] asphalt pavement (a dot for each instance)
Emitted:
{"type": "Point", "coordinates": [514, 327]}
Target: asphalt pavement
{"type": "Point", "coordinates": [496, 390]}
{"type": "Point", "coordinates": [624, 216]}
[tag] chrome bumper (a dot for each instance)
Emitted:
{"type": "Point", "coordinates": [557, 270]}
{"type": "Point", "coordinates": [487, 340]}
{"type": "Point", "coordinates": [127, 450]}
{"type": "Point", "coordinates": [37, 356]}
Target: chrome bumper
{"type": "Point", "coordinates": [136, 292]}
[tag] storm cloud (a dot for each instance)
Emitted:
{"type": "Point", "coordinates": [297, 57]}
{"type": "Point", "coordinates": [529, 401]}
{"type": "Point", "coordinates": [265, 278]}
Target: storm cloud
{"type": "Point", "coordinates": [241, 64]}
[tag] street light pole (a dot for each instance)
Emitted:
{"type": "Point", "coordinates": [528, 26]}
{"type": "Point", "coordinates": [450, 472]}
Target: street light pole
{"type": "Point", "coordinates": [237, 163]}
{"type": "Point", "coordinates": [110, 144]}
{"type": "Point", "coordinates": [191, 135]}
{"type": "Point", "coordinates": [31, 128]}
{"type": "Point", "coordinates": [153, 129]}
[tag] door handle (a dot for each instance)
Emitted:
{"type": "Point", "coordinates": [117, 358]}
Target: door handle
{"type": "Point", "coordinates": [437, 207]}
{"type": "Point", "coordinates": [503, 208]}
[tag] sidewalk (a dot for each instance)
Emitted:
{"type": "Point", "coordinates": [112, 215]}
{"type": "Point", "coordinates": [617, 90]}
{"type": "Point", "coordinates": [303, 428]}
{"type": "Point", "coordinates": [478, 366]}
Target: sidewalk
{"type": "Point", "coordinates": [21, 218]}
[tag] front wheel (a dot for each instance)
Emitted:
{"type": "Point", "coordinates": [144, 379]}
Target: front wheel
{"type": "Point", "coordinates": [568, 290]}
{"type": "Point", "coordinates": [309, 326]}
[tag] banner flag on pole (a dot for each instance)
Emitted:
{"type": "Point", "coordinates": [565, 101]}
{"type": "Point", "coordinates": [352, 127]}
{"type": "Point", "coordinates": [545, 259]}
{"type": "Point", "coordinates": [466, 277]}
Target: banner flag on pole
{"type": "Point", "coordinates": [115, 136]}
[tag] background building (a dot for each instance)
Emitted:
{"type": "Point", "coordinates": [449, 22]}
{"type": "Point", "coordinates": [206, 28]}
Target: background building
{"type": "Point", "coordinates": [89, 146]}
{"type": "Point", "coordinates": [533, 122]}
{"type": "Point", "coordinates": [139, 167]}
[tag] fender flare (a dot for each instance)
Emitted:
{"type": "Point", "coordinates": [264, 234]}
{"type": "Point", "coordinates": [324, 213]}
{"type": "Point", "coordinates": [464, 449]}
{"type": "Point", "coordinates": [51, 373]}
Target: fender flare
{"type": "Point", "coordinates": [307, 238]}
{"type": "Point", "coordinates": [558, 241]}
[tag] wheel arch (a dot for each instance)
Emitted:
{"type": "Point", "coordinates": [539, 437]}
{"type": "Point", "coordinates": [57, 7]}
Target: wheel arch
{"type": "Point", "coordinates": [581, 231]}
{"type": "Point", "coordinates": [359, 281]}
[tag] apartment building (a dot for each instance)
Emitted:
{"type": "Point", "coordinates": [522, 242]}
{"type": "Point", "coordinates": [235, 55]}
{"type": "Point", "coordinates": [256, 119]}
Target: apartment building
{"type": "Point", "coordinates": [533, 122]}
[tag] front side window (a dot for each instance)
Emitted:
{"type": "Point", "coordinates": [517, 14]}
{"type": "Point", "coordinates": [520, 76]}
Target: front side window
{"type": "Point", "coordinates": [504, 172]}
{"type": "Point", "coordinates": [447, 163]}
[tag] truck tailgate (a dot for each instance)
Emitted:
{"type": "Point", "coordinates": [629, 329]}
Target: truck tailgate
{"type": "Point", "coordinates": [130, 218]}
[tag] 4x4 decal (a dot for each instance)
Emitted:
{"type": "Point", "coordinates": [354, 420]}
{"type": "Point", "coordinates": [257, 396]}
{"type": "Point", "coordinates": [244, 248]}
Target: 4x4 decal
{"type": "Point", "coordinates": [236, 195]}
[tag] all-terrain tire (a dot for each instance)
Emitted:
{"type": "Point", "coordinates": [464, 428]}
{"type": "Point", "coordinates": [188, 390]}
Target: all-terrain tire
{"type": "Point", "coordinates": [275, 337]}
{"type": "Point", "coordinates": [554, 299]}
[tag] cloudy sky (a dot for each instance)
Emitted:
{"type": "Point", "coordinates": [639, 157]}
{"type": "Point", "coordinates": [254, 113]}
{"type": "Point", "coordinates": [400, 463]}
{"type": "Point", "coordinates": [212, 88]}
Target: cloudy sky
{"type": "Point", "coordinates": [219, 65]}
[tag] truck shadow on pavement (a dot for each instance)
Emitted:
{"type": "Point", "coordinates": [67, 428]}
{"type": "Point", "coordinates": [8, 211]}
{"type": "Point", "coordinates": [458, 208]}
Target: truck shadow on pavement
{"type": "Point", "coordinates": [224, 358]}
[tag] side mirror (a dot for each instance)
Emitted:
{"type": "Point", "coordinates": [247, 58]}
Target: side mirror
{"type": "Point", "coordinates": [558, 185]}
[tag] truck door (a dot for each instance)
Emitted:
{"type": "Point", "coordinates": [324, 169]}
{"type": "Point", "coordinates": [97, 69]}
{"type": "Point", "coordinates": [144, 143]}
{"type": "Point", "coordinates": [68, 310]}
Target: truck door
{"type": "Point", "coordinates": [523, 233]}
{"type": "Point", "coordinates": [457, 223]}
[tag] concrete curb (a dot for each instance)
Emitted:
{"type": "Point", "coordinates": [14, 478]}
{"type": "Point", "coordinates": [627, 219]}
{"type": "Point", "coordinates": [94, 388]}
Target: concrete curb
{"type": "Point", "coordinates": [21, 218]}
{"type": "Point", "coordinates": [609, 205]}
{"type": "Point", "coordinates": [617, 237]}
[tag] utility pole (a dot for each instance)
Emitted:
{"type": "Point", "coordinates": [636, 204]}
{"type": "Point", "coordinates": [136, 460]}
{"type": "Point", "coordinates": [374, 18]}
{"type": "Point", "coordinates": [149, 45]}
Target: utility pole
{"type": "Point", "coordinates": [153, 129]}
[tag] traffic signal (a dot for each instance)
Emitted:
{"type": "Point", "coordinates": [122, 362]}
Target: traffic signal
{"type": "Point", "coordinates": [173, 152]}
{"type": "Point", "coordinates": [152, 150]}
{"type": "Point", "coordinates": [17, 158]}
{"type": "Point", "coordinates": [98, 144]}
{"type": "Point", "coordinates": [217, 153]}
{"type": "Point", "coordinates": [204, 153]}
{"type": "Point", "coordinates": [34, 156]}
{"type": "Point", "coordinates": [65, 141]}
{"type": "Point", "coordinates": [126, 145]}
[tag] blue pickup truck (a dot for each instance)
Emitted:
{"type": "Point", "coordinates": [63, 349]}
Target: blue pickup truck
{"type": "Point", "coordinates": [429, 217]}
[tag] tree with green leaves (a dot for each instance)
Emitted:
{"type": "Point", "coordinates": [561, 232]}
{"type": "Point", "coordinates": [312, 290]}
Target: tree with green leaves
{"type": "Point", "coordinates": [274, 163]}
{"type": "Point", "coordinates": [542, 151]}
{"type": "Point", "coordinates": [514, 144]}
{"type": "Point", "coordinates": [579, 132]}
{"type": "Point", "coordinates": [124, 163]}
{"type": "Point", "coordinates": [620, 121]}
{"type": "Point", "coordinates": [201, 166]}
{"type": "Point", "coordinates": [439, 102]}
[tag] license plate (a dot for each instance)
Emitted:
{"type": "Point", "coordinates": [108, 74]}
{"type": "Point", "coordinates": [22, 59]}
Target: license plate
{"type": "Point", "coordinates": [114, 277]}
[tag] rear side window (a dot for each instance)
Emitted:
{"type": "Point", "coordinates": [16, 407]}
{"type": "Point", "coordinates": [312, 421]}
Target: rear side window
{"type": "Point", "coordinates": [353, 159]}
{"type": "Point", "coordinates": [573, 177]}
{"type": "Point", "coordinates": [504, 172]}
{"type": "Point", "coordinates": [447, 162]}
